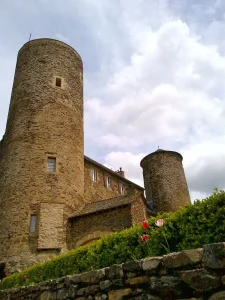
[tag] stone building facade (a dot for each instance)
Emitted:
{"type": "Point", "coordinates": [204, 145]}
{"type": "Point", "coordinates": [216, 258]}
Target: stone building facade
{"type": "Point", "coordinates": [53, 197]}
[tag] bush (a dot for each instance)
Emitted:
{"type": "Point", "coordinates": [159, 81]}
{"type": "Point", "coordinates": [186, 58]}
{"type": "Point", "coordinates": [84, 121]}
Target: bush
{"type": "Point", "coordinates": [190, 227]}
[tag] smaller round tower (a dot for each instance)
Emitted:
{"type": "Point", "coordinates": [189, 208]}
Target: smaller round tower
{"type": "Point", "coordinates": [164, 180]}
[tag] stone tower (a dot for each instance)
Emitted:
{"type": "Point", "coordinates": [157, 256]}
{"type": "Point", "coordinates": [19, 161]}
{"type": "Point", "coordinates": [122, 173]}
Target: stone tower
{"type": "Point", "coordinates": [41, 154]}
{"type": "Point", "coordinates": [164, 180]}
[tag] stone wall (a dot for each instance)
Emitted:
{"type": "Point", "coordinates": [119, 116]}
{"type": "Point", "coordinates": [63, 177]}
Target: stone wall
{"type": "Point", "coordinates": [51, 226]}
{"type": "Point", "coordinates": [97, 190]}
{"type": "Point", "coordinates": [138, 210]}
{"type": "Point", "coordinates": [192, 274]}
{"type": "Point", "coordinates": [165, 181]}
{"type": "Point", "coordinates": [82, 229]}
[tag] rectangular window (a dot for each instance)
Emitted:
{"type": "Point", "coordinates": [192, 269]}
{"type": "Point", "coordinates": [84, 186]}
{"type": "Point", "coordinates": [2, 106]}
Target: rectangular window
{"type": "Point", "coordinates": [122, 189]}
{"type": "Point", "coordinates": [58, 81]}
{"type": "Point", "coordinates": [51, 164]}
{"type": "Point", "coordinates": [107, 181]}
{"type": "Point", "coordinates": [33, 218]}
{"type": "Point", "coordinates": [94, 175]}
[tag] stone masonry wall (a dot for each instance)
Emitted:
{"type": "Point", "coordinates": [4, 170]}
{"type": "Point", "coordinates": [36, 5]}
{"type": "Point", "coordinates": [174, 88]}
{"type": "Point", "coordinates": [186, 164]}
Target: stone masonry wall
{"type": "Point", "coordinates": [138, 211]}
{"type": "Point", "coordinates": [192, 274]}
{"type": "Point", "coordinates": [82, 229]}
{"type": "Point", "coordinates": [95, 191]}
{"type": "Point", "coordinates": [165, 181]}
{"type": "Point", "coordinates": [44, 121]}
{"type": "Point", "coordinates": [51, 226]}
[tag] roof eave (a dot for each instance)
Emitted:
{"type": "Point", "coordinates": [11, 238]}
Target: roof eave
{"type": "Point", "coordinates": [100, 211]}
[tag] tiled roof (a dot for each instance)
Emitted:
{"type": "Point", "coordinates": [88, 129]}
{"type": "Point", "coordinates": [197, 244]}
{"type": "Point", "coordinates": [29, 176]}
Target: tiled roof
{"type": "Point", "coordinates": [112, 172]}
{"type": "Point", "coordinates": [106, 204]}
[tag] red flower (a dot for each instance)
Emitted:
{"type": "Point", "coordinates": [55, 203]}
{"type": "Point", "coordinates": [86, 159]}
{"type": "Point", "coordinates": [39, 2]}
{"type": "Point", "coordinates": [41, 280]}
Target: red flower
{"type": "Point", "coordinates": [144, 238]}
{"type": "Point", "coordinates": [145, 224]}
{"type": "Point", "coordinates": [24, 277]}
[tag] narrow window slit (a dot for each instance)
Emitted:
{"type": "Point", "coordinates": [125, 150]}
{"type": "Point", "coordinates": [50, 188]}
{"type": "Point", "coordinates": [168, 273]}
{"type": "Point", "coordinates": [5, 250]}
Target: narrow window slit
{"type": "Point", "coordinates": [58, 81]}
{"type": "Point", "coordinates": [33, 218]}
{"type": "Point", "coordinates": [94, 175]}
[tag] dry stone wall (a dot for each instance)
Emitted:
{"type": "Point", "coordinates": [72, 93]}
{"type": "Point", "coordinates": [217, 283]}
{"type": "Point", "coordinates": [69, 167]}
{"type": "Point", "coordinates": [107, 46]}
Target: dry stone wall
{"type": "Point", "coordinates": [192, 274]}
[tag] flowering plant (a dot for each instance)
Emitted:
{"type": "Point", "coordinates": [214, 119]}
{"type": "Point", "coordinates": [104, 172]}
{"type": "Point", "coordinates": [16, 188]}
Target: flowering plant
{"type": "Point", "coordinates": [145, 237]}
{"type": "Point", "coordinates": [159, 223]}
{"type": "Point", "coordinates": [145, 224]}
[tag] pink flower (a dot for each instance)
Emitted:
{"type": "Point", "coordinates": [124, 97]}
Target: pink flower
{"type": "Point", "coordinates": [24, 277]}
{"type": "Point", "coordinates": [159, 223]}
{"type": "Point", "coordinates": [144, 238]}
{"type": "Point", "coordinates": [145, 224]}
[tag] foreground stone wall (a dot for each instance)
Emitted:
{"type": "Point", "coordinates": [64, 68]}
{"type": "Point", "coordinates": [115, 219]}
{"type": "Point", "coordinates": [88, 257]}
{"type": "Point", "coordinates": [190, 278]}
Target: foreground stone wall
{"type": "Point", "coordinates": [192, 274]}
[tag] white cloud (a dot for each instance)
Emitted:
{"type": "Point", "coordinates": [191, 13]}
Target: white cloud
{"type": "Point", "coordinates": [165, 90]}
{"type": "Point", "coordinates": [111, 140]}
{"type": "Point", "coordinates": [172, 90]}
{"type": "Point", "coordinates": [195, 195]}
{"type": "Point", "coordinates": [129, 162]}
{"type": "Point", "coordinates": [61, 37]}
{"type": "Point", "coordinates": [204, 165]}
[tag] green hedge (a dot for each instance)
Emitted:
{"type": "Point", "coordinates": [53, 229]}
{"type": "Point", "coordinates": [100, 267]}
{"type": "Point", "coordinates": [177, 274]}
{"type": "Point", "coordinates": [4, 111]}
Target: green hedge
{"type": "Point", "coordinates": [190, 227]}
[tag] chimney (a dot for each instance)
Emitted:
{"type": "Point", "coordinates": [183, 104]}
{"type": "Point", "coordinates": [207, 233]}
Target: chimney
{"type": "Point", "coordinates": [120, 172]}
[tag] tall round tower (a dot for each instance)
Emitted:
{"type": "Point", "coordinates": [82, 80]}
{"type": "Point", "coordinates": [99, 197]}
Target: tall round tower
{"type": "Point", "coordinates": [42, 153]}
{"type": "Point", "coordinates": [165, 181]}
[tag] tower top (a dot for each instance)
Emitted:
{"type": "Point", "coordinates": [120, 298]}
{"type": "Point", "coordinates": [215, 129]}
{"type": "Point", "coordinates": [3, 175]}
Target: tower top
{"type": "Point", "coordinates": [38, 41]}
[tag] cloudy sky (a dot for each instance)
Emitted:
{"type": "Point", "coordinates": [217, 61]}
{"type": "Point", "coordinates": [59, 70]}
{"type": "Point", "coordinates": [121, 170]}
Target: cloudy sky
{"type": "Point", "coordinates": [153, 75]}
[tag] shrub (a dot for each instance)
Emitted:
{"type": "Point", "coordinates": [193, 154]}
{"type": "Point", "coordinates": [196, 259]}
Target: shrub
{"type": "Point", "coordinates": [190, 227]}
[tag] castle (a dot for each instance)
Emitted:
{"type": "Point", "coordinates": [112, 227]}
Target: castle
{"type": "Point", "coordinates": [52, 197]}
